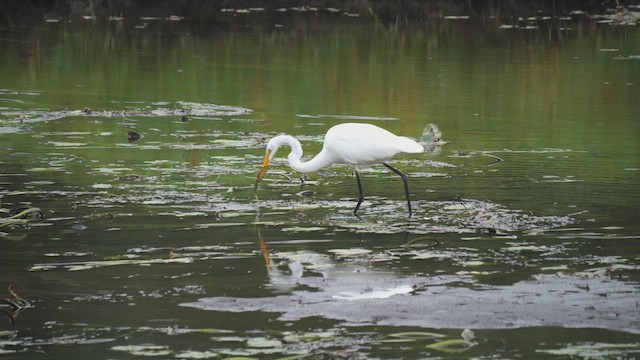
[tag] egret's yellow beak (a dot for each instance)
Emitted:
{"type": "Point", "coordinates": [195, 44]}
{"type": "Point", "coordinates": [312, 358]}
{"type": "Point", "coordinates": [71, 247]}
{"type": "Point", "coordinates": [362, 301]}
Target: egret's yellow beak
{"type": "Point", "coordinates": [265, 165]}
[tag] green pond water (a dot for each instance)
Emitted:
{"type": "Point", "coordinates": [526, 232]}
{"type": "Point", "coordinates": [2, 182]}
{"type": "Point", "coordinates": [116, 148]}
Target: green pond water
{"type": "Point", "coordinates": [525, 224]}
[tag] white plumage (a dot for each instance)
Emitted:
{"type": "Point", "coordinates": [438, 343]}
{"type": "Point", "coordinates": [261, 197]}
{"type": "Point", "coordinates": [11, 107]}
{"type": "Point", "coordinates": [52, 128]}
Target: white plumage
{"type": "Point", "coordinates": [360, 145]}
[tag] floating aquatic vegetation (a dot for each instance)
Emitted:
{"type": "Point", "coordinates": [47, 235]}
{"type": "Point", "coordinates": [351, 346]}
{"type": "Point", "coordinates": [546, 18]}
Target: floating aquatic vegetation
{"type": "Point", "coordinates": [161, 109]}
{"type": "Point", "coordinates": [193, 354]}
{"type": "Point", "coordinates": [234, 143]}
{"type": "Point", "coordinates": [439, 255]}
{"type": "Point", "coordinates": [11, 129]}
{"type": "Point", "coordinates": [102, 186]}
{"type": "Point", "coordinates": [427, 174]}
{"type": "Point", "coordinates": [349, 253]}
{"type": "Point", "coordinates": [19, 92]}
{"type": "Point", "coordinates": [109, 170]}
{"type": "Point", "coordinates": [485, 215]}
{"type": "Point", "coordinates": [174, 291]}
{"type": "Point", "coordinates": [463, 217]}
{"type": "Point", "coordinates": [622, 16]}
{"type": "Point", "coordinates": [134, 256]}
{"type": "Point", "coordinates": [144, 350]}
{"type": "Point", "coordinates": [263, 342]}
{"type": "Point", "coordinates": [298, 229]}
{"type": "Point", "coordinates": [22, 216]}
{"type": "Point", "coordinates": [596, 350]}
{"type": "Point", "coordinates": [85, 334]}
{"type": "Point", "coordinates": [88, 265]}
{"type": "Point", "coordinates": [450, 304]}
{"type": "Point", "coordinates": [416, 335]}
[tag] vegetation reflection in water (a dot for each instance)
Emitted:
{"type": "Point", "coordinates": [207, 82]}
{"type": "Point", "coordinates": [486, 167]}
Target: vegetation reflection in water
{"type": "Point", "coordinates": [159, 246]}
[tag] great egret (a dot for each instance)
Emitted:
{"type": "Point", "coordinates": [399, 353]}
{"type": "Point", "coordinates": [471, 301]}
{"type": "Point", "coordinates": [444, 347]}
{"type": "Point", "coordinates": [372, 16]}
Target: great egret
{"type": "Point", "coordinates": [358, 145]}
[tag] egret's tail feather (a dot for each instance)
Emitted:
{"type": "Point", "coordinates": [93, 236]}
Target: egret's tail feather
{"type": "Point", "coordinates": [410, 146]}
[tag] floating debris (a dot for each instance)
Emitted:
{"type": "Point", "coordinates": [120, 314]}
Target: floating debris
{"type": "Point", "coordinates": [22, 216]}
{"type": "Point", "coordinates": [133, 136]}
{"type": "Point", "coordinates": [431, 139]}
{"type": "Point", "coordinates": [13, 305]}
{"type": "Point", "coordinates": [495, 158]}
{"type": "Point", "coordinates": [78, 227]}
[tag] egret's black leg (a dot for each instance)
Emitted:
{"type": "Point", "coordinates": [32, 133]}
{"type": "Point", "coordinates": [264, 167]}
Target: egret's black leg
{"type": "Point", "coordinates": [361, 195]}
{"type": "Point", "coordinates": [406, 184]}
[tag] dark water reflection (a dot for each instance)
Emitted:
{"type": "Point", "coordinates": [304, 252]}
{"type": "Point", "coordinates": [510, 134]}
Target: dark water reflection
{"type": "Point", "coordinates": [156, 246]}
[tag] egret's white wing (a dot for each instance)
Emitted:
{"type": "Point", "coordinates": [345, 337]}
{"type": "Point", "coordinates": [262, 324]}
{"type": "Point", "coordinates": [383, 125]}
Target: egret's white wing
{"type": "Point", "coordinates": [365, 144]}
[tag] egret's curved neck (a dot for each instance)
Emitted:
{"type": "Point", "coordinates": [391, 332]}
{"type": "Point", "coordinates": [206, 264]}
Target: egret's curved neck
{"type": "Point", "coordinates": [319, 161]}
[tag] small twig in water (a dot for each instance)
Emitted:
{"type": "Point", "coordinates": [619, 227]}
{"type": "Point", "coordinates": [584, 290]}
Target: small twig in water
{"type": "Point", "coordinates": [17, 303]}
{"type": "Point", "coordinates": [495, 158]}
{"type": "Point", "coordinates": [286, 177]}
